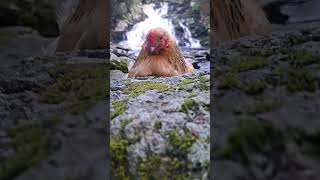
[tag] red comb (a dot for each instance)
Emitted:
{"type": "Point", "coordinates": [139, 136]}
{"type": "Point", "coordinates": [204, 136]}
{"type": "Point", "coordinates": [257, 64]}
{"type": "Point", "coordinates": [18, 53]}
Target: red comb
{"type": "Point", "coordinates": [151, 38]}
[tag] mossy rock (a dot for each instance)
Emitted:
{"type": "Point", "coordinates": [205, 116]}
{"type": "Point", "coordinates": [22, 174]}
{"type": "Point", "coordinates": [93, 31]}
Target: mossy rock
{"type": "Point", "coordinates": [189, 106]}
{"type": "Point", "coordinates": [300, 58]}
{"type": "Point", "coordinates": [301, 81]}
{"type": "Point", "coordinates": [31, 145]}
{"type": "Point", "coordinates": [119, 108]}
{"type": "Point", "coordinates": [184, 82]}
{"type": "Point", "coordinates": [119, 161]}
{"type": "Point", "coordinates": [161, 167]}
{"type": "Point", "coordinates": [295, 40]}
{"type": "Point", "coordinates": [251, 136]}
{"type": "Point", "coordinates": [158, 125]}
{"type": "Point", "coordinates": [119, 64]}
{"type": "Point", "coordinates": [253, 87]}
{"type": "Point", "coordinates": [80, 85]}
{"type": "Point", "coordinates": [180, 145]}
{"type": "Point", "coordinates": [171, 165]}
{"type": "Point", "coordinates": [227, 80]}
{"type": "Point", "coordinates": [294, 80]}
{"type": "Point", "coordinates": [244, 63]}
{"type": "Point", "coordinates": [204, 83]}
{"type": "Point", "coordinates": [136, 88]}
{"type": "Point", "coordinates": [264, 106]}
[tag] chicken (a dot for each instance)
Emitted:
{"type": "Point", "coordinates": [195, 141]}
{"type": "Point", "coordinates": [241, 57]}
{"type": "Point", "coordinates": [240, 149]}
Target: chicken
{"type": "Point", "coordinates": [86, 28]}
{"type": "Point", "coordinates": [232, 19]}
{"type": "Point", "coordinates": [159, 56]}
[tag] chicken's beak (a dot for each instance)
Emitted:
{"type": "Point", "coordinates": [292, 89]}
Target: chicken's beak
{"type": "Point", "coordinates": [152, 48]}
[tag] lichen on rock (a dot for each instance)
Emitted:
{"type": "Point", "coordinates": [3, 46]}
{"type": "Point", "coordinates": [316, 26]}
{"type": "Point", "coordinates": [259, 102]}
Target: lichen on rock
{"type": "Point", "coordinates": [169, 120]}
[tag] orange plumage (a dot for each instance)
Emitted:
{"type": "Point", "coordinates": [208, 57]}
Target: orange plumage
{"type": "Point", "coordinates": [159, 56]}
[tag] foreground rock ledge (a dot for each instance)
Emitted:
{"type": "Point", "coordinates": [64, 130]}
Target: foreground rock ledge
{"type": "Point", "coordinates": [160, 127]}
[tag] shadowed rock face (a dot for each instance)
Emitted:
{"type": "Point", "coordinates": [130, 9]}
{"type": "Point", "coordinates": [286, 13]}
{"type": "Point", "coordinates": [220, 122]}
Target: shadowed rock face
{"type": "Point", "coordinates": [87, 28]}
{"type": "Point", "coordinates": [36, 14]}
{"type": "Point", "coordinates": [233, 19]}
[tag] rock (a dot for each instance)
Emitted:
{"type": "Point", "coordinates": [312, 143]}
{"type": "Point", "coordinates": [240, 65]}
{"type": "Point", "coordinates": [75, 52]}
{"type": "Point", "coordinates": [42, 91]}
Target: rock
{"type": "Point", "coordinates": [147, 112]}
{"type": "Point", "coordinates": [286, 103]}
{"type": "Point", "coordinates": [199, 154]}
{"type": "Point", "coordinates": [228, 170]}
{"type": "Point", "coordinates": [120, 63]}
{"type": "Point", "coordinates": [42, 17]}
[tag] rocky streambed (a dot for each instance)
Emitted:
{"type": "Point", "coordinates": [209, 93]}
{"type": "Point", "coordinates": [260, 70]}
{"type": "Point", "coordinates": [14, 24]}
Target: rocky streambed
{"type": "Point", "coordinates": [160, 126]}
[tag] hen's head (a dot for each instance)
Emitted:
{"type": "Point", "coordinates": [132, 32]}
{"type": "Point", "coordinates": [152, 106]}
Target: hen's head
{"type": "Point", "coordinates": [157, 40]}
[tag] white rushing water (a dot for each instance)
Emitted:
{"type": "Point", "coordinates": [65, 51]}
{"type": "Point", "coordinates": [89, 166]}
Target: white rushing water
{"type": "Point", "coordinates": [155, 18]}
{"type": "Point", "coordinates": [193, 43]}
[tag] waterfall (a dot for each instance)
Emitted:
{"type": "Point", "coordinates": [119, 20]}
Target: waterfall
{"type": "Point", "coordinates": [193, 43]}
{"type": "Point", "coordinates": [156, 18]}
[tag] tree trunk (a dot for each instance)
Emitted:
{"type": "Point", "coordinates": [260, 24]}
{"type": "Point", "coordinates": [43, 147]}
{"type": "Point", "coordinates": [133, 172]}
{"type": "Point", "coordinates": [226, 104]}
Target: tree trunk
{"type": "Point", "coordinates": [232, 19]}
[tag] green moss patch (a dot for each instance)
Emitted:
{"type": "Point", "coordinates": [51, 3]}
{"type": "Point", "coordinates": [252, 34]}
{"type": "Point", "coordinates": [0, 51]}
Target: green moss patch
{"type": "Point", "coordinates": [251, 136]}
{"type": "Point", "coordinates": [301, 58]}
{"type": "Point", "coordinates": [295, 40]}
{"type": "Point", "coordinates": [119, 161]}
{"type": "Point", "coordinates": [230, 80]}
{"type": "Point", "coordinates": [180, 145]}
{"type": "Point", "coordinates": [277, 77]}
{"type": "Point", "coordinates": [31, 145]}
{"type": "Point", "coordinates": [171, 165]}
{"type": "Point", "coordinates": [265, 106]}
{"type": "Point", "coordinates": [188, 106]}
{"type": "Point", "coordinates": [301, 81]}
{"type": "Point", "coordinates": [185, 82]}
{"type": "Point", "coordinates": [243, 63]}
{"type": "Point", "coordinates": [161, 167]}
{"type": "Point", "coordinates": [80, 85]}
{"type": "Point", "coordinates": [136, 88]}
{"type": "Point", "coordinates": [119, 108]}
{"type": "Point", "coordinates": [204, 83]}
{"type": "Point", "coordinates": [294, 80]}
{"type": "Point", "coordinates": [119, 64]}
{"type": "Point", "coordinates": [227, 80]}
{"type": "Point", "coordinates": [158, 125]}
{"type": "Point", "coordinates": [119, 150]}
{"type": "Point", "coordinates": [253, 87]}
